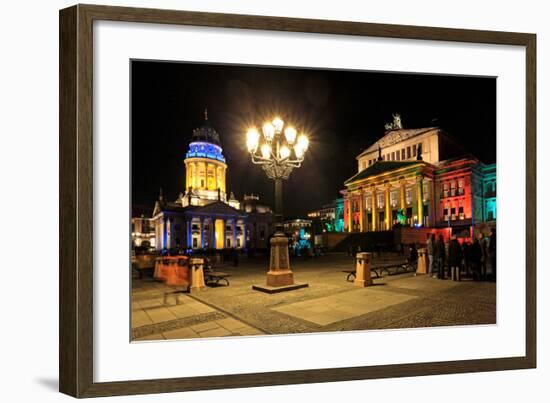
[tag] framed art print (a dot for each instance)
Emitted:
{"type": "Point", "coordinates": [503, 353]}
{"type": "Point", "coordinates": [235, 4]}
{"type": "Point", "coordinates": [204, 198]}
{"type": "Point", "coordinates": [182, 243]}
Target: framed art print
{"type": "Point", "coordinates": [251, 200]}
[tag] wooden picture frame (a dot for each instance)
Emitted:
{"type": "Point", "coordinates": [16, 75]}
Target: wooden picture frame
{"type": "Point", "coordinates": [76, 201]}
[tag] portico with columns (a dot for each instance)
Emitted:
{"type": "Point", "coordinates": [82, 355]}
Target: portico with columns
{"type": "Point", "coordinates": [389, 194]}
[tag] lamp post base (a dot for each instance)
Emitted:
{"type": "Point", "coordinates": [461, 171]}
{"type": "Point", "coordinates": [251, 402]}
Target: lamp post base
{"type": "Point", "coordinates": [279, 277]}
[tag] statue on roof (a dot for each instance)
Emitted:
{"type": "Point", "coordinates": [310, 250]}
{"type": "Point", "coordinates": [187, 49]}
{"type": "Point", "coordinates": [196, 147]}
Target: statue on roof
{"type": "Point", "coordinates": [396, 124]}
{"type": "Point", "coordinates": [397, 121]}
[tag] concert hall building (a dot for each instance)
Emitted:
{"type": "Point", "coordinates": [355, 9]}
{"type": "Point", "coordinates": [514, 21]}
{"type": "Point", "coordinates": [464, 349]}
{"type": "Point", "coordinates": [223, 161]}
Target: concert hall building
{"type": "Point", "coordinates": [419, 178]}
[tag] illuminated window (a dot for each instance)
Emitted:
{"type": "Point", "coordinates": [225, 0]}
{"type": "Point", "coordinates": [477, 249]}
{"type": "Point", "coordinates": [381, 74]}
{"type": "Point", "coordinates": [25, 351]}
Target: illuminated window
{"type": "Point", "coordinates": [445, 189]}
{"type": "Point", "coordinates": [461, 186]}
{"type": "Point", "coordinates": [380, 200]}
{"type": "Point", "coordinates": [461, 210]}
{"type": "Point", "coordinates": [369, 202]}
{"type": "Point", "coordinates": [393, 198]}
{"type": "Point", "coordinates": [453, 188]}
{"type": "Point", "coordinates": [408, 196]}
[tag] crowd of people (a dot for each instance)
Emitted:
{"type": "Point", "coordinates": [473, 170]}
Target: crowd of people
{"type": "Point", "coordinates": [452, 259]}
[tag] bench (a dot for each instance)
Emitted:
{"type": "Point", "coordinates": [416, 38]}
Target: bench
{"type": "Point", "coordinates": [379, 271]}
{"type": "Point", "coordinates": [213, 278]}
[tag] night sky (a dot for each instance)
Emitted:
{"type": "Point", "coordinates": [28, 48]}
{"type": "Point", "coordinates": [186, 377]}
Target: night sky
{"type": "Point", "coordinates": [343, 112]}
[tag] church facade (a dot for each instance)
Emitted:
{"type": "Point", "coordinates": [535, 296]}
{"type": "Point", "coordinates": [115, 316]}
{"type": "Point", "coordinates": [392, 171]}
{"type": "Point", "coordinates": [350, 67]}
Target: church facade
{"type": "Point", "coordinates": [204, 216]}
{"type": "Point", "coordinates": [419, 178]}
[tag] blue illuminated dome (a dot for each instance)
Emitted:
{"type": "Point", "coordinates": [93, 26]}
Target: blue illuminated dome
{"type": "Point", "coordinates": [205, 150]}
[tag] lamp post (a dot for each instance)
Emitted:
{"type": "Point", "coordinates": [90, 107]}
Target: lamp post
{"type": "Point", "coordinates": [278, 150]}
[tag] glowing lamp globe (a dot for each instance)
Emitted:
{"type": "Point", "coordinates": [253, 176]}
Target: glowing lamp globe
{"type": "Point", "coordinates": [290, 135]}
{"type": "Point", "coordinates": [252, 139]}
{"type": "Point", "coordinates": [278, 124]}
{"type": "Point", "coordinates": [284, 152]}
{"type": "Point", "coordinates": [266, 151]}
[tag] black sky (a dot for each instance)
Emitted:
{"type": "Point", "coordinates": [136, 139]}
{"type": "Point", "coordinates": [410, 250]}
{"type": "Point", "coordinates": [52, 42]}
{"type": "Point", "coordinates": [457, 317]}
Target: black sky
{"type": "Point", "coordinates": [342, 111]}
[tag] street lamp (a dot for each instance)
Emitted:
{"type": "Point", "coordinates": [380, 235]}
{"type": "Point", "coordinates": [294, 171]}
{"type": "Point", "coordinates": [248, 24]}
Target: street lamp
{"type": "Point", "coordinates": [278, 150]}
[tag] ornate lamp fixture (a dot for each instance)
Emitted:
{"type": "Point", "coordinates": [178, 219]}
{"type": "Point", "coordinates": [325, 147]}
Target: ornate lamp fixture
{"type": "Point", "coordinates": [278, 150]}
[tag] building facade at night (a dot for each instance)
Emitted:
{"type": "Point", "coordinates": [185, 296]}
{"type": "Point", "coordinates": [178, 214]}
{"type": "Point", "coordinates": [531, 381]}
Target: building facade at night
{"type": "Point", "coordinates": [419, 178]}
{"type": "Point", "coordinates": [204, 216]}
{"type": "Point", "coordinates": [329, 218]}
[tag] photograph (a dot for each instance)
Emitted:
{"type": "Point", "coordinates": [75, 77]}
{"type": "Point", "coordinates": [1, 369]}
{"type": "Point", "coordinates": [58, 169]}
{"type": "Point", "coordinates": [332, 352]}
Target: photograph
{"type": "Point", "coordinates": [282, 200]}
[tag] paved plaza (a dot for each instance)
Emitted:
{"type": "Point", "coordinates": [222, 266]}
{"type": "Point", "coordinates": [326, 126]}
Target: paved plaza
{"type": "Point", "coordinates": [330, 303]}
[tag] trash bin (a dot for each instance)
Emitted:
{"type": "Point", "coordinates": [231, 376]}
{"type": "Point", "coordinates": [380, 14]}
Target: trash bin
{"type": "Point", "coordinates": [362, 269]}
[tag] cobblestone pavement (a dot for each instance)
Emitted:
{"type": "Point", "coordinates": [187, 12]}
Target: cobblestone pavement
{"type": "Point", "coordinates": [330, 303]}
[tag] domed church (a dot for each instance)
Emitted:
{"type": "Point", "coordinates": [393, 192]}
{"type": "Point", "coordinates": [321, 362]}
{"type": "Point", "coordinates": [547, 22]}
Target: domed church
{"type": "Point", "coordinates": [204, 216]}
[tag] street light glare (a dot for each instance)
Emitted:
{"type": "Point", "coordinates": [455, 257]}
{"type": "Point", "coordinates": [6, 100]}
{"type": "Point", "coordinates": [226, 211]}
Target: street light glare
{"type": "Point", "coordinates": [252, 138]}
{"type": "Point", "coordinates": [266, 151]}
{"type": "Point", "coordinates": [290, 135]}
{"type": "Point", "coordinates": [269, 131]}
{"type": "Point", "coordinates": [303, 142]}
{"type": "Point", "coordinates": [299, 151]}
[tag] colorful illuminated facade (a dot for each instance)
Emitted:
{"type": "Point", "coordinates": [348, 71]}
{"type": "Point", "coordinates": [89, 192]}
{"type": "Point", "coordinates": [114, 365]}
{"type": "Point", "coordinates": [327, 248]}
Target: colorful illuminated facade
{"type": "Point", "coordinates": [419, 178]}
{"type": "Point", "coordinates": [330, 217]}
{"type": "Point", "coordinates": [204, 216]}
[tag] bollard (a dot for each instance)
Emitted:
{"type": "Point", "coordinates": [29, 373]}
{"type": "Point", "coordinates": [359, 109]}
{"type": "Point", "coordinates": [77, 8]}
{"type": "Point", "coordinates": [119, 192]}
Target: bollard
{"type": "Point", "coordinates": [197, 274]}
{"type": "Point", "coordinates": [362, 270]}
{"type": "Point", "coordinates": [422, 266]}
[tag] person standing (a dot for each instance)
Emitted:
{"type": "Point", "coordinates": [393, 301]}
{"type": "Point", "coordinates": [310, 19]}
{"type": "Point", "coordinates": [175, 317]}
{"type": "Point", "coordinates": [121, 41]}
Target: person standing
{"type": "Point", "coordinates": [492, 252]}
{"type": "Point", "coordinates": [430, 250]}
{"type": "Point", "coordinates": [475, 256]}
{"type": "Point", "coordinates": [455, 258]}
{"type": "Point", "coordinates": [413, 254]}
{"type": "Point", "coordinates": [484, 258]}
{"type": "Point", "coordinates": [439, 252]}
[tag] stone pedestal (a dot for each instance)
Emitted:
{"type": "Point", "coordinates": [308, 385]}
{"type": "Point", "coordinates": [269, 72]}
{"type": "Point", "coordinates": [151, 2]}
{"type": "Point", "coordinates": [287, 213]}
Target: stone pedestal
{"type": "Point", "coordinates": [279, 277]}
{"type": "Point", "coordinates": [422, 267]}
{"type": "Point", "coordinates": [279, 273]}
{"type": "Point", "coordinates": [197, 274]}
{"type": "Point", "coordinates": [362, 270]}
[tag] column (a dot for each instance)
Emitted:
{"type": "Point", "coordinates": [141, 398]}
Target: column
{"type": "Point", "coordinates": [189, 235]}
{"type": "Point", "coordinates": [402, 184]}
{"type": "Point", "coordinates": [374, 209]}
{"type": "Point", "coordinates": [349, 212]}
{"type": "Point", "coordinates": [234, 242]}
{"type": "Point", "coordinates": [419, 201]}
{"type": "Point", "coordinates": [163, 232]}
{"type": "Point", "coordinates": [202, 232]}
{"type": "Point", "coordinates": [361, 209]}
{"type": "Point", "coordinates": [387, 206]}
{"type": "Point", "coordinates": [195, 175]}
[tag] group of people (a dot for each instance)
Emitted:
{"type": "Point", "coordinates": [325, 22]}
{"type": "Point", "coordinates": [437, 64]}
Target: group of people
{"type": "Point", "coordinates": [451, 259]}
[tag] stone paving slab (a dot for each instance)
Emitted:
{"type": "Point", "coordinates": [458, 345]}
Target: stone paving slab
{"type": "Point", "coordinates": [342, 306]}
